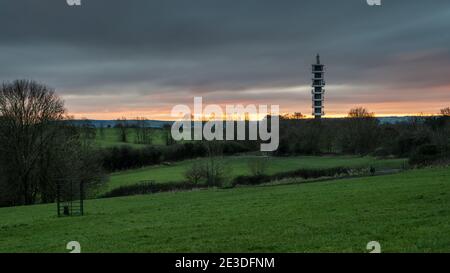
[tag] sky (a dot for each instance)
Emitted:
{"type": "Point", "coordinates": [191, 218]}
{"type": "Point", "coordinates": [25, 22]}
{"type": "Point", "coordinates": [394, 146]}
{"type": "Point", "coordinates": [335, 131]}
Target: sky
{"type": "Point", "coordinates": [114, 58]}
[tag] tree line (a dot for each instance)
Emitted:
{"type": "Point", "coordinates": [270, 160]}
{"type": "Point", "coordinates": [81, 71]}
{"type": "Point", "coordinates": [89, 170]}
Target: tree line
{"type": "Point", "coordinates": [423, 139]}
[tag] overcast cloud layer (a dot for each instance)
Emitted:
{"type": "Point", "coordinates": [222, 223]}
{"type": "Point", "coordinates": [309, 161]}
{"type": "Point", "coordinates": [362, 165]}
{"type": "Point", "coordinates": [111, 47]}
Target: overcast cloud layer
{"type": "Point", "coordinates": [140, 57]}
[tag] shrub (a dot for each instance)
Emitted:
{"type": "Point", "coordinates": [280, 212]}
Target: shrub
{"type": "Point", "coordinates": [195, 173]}
{"type": "Point", "coordinates": [303, 173]}
{"type": "Point", "coordinates": [381, 152]}
{"type": "Point", "coordinates": [149, 187]}
{"type": "Point", "coordinates": [126, 157]}
{"type": "Point", "coordinates": [214, 172]}
{"type": "Point", "coordinates": [251, 179]}
{"type": "Point", "coordinates": [408, 142]}
{"type": "Point", "coordinates": [425, 155]}
{"type": "Point", "coordinates": [234, 147]}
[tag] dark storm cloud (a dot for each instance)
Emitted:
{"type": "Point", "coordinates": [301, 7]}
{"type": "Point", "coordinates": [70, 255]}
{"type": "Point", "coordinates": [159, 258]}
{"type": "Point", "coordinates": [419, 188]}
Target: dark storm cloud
{"type": "Point", "coordinates": [172, 49]}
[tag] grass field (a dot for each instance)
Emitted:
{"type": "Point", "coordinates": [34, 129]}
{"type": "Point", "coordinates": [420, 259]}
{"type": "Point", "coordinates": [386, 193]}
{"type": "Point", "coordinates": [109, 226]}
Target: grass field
{"type": "Point", "coordinates": [110, 138]}
{"type": "Point", "coordinates": [238, 165]}
{"type": "Point", "coordinates": [407, 212]}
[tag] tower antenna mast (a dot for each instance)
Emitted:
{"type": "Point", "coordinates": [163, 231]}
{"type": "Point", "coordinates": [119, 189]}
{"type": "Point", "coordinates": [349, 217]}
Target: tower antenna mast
{"type": "Point", "coordinates": [318, 92]}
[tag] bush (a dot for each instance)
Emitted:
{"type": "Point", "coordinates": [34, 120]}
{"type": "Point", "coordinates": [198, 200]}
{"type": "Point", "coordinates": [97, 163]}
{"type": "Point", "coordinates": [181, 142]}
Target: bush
{"type": "Point", "coordinates": [214, 172]}
{"type": "Point", "coordinates": [381, 152]}
{"type": "Point", "coordinates": [149, 187]}
{"type": "Point", "coordinates": [408, 142]}
{"type": "Point", "coordinates": [425, 155]}
{"type": "Point", "coordinates": [303, 173]}
{"type": "Point", "coordinates": [126, 157]}
{"type": "Point", "coordinates": [234, 147]}
{"type": "Point", "coordinates": [195, 173]}
{"type": "Point", "coordinates": [251, 179]}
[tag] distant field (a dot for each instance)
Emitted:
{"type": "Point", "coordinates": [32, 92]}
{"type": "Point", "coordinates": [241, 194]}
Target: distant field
{"type": "Point", "coordinates": [238, 165]}
{"type": "Point", "coordinates": [110, 138]}
{"type": "Point", "coordinates": [407, 212]}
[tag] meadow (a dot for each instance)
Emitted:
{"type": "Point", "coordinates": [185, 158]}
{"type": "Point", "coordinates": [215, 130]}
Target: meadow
{"type": "Point", "coordinates": [406, 212]}
{"type": "Point", "coordinates": [109, 137]}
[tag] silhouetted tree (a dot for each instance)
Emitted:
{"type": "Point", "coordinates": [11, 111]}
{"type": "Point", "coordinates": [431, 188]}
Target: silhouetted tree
{"type": "Point", "coordinates": [142, 131]}
{"type": "Point", "coordinates": [360, 133]}
{"type": "Point", "coordinates": [88, 130]}
{"type": "Point", "coordinates": [360, 112]}
{"type": "Point", "coordinates": [123, 126]}
{"type": "Point", "coordinates": [28, 110]}
{"type": "Point", "coordinates": [167, 135]}
{"type": "Point", "coordinates": [293, 116]}
{"type": "Point", "coordinates": [36, 147]}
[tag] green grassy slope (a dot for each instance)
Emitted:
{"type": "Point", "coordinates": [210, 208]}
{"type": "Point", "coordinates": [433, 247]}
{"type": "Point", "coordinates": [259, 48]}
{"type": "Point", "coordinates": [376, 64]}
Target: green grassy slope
{"type": "Point", "coordinates": [238, 165]}
{"type": "Point", "coordinates": [407, 212]}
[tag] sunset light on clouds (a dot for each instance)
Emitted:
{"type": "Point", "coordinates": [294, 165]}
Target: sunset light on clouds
{"type": "Point", "coordinates": [391, 60]}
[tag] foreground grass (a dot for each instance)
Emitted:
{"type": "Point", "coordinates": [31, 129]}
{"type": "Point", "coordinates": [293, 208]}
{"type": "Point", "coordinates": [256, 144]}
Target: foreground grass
{"type": "Point", "coordinates": [238, 165]}
{"type": "Point", "coordinates": [407, 212]}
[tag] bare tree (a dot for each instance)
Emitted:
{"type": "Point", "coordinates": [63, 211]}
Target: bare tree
{"type": "Point", "coordinates": [360, 112]}
{"type": "Point", "coordinates": [34, 143]}
{"type": "Point", "coordinates": [194, 173]}
{"type": "Point", "coordinates": [298, 115]}
{"type": "Point", "coordinates": [142, 131]}
{"type": "Point", "coordinates": [445, 112]}
{"type": "Point", "coordinates": [28, 110]}
{"type": "Point", "coordinates": [360, 134]}
{"type": "Point", "coordinates": [167, 135]}
{"type": "Point", "coordinates": [88, 130]}
{"type": "Point", "coordinates": [293, 116]}
{"type": "Point", "coordinates": [214, 169]}
{"type": "Point", "coordinates": [123, 127]}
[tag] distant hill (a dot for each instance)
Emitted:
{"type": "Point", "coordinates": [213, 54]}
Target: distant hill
{"type": "Point", "coordinates": [161, 124]}
{"type": "Point", "coordinates": [112, 123]}
{"type": "Point", "coordinates": [394, 120]}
